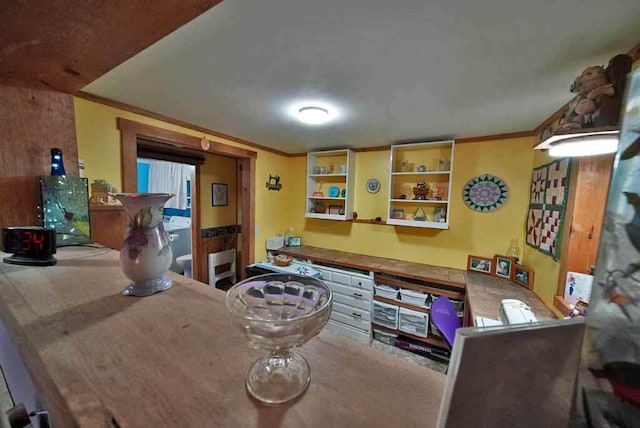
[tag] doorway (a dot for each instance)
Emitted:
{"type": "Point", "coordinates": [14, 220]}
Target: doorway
{"type": "Point", "coordinates": [159, 176]}
{"type": "Point", "coordinates": [140, 140]}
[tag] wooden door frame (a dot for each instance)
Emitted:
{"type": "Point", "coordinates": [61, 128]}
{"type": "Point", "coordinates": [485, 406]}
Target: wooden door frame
{"type": "Point", "coordinates": [246, 160]}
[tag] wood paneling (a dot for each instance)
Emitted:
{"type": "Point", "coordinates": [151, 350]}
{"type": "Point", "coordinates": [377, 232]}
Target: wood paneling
{"type": "Point", "coordinates": [108, 225]}
{"type": "Point", "coordinates": [31, 123]}
{"type": "Point", "coordinates": [585, 215]}
{"type": "Point", "coordinates": [66, 45]}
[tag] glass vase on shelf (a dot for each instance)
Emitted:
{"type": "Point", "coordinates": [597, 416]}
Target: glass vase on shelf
{"type": "Point", "coordinates": [57, 163]}
{"type": "Point", "coordinates": [514, 250]}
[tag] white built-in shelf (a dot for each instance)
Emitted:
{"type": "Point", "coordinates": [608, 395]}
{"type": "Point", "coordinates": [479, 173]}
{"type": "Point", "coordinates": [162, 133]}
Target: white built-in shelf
{"type": "Point", "coordinates": [326, 197]}
{"type": "Point", "coordinates": [419, 201]}
{"type": "Point", "coordinates": [339, 170]}
{"type": "Point", "coordinates": [404, 179]}
{"type": "Point", "coordinates": [422, 173]}
{"type": "Point", "coordinates": [327, 175]}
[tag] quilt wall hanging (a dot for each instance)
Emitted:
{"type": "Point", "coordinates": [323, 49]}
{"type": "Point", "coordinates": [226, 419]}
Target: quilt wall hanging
{"type": "Point", "coordinates": [549, 191]}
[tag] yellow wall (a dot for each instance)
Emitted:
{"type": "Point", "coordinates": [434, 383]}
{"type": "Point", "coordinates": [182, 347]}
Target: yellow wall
{"type": "Point", "coordinates": [99, 147]}
{"type": "Point", "coordinates": [470, 232]}
{"type": "Point", "coordinates": [546, 269]}
{"type": "Point", "coordinates": [217, 169]}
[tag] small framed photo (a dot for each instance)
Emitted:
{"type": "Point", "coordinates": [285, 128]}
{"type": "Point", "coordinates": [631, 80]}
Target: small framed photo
{"type": "Point", "coordinates": [334, 209]}
{"type": "Point", "coordinates": [295, 241]}
{"type": "Point", "coordinates": [480, 264]}
{"type": "Point", "coordinates": [523, 276]}
{"type": "Point", "coordinates": [398, 214]}
{"type": "Point", "coordinates": [219, 196]}
{"type": "Point", "coordinates": [503, 266]}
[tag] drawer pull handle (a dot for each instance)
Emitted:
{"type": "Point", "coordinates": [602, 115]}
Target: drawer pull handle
{"type": "Point", "coordinates": [356, 315]}
{"type": "Point", "coordinates": [357, 295]}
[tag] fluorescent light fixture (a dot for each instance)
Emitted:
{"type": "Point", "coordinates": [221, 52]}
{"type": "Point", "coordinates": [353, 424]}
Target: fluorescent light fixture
{"type": "Point", "coordinates": [590, 144]}
{"type": "Point", "coordinates": [313, 115]}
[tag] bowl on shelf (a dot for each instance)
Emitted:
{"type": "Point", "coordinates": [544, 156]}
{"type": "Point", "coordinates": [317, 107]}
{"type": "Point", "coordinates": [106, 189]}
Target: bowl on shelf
{"type": "Point", "coordinates": [277, 313]}
{"type": "Point", "coordinates": [282, 260]}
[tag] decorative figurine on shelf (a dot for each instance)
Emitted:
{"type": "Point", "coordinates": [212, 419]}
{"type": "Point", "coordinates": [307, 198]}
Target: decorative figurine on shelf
{"type": "Point", "coordinates": [343, 193]}
{"type": "Point", "coordinates": [421, 191]}
{"type": "Point", "coordinates": [440, 215]}
{"type": "Point", "coordinates": [599, 93]}
{"type": "Point", "coordinates": [422, 168]}
{"type": "Point", "coordinates": [404, 166]}
{"type": "Point", "coordinates": [439, 191]}
{"type": "Point", "coordinates": [419, 215]}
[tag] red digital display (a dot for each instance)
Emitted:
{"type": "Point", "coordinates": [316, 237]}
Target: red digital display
{"type": "Point", "coordinates": [29, 241]}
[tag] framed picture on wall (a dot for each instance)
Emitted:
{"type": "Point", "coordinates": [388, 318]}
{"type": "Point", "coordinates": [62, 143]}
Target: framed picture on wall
{"type": "Point", "coordinates": [219, 196]}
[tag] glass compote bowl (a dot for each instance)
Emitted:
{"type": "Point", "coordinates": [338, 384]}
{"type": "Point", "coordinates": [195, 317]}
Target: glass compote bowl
{"type": "Point", "coordinates": [279, 312]}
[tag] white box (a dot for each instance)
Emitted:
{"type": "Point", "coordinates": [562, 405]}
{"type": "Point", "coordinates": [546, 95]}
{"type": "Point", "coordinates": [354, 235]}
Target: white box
{"type": "Point", "coordinates": [386, 291]}
{"type": "Point", "coordinates": [413, 297]}
{"type": "Point", "coordinates": [413, 322]}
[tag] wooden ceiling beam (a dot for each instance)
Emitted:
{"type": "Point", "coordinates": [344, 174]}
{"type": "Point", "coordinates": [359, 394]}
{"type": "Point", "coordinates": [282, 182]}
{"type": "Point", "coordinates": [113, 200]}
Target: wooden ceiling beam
{"type": "Point", "coordinates": [65, 45]}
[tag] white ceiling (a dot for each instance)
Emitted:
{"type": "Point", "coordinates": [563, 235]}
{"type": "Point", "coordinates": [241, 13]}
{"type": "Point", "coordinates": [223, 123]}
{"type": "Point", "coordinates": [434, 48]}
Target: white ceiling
{"type": "Point", "coordinates": [403, 70]}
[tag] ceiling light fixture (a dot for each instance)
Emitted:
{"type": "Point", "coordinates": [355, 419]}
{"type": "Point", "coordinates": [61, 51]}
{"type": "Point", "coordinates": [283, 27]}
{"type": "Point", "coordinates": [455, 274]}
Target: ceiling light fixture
{"type": "Point", "coordinates": [313, 115]}
{"type": "Point", "coordinates": [590, 144]}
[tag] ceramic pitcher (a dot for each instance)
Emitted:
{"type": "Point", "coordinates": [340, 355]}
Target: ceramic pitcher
{"type": "Point", "coordinates": [145, 256]}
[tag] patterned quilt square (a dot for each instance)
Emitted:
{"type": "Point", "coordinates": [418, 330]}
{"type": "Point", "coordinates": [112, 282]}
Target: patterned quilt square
{"type": "Point", "coordinates": [550, 231]}
{"type": "Point", "coordinates": [534, 226]}
{"type": "Point", "coordinates": [557, 182]}
{"type": "Point", "coordinates": [538, 185]}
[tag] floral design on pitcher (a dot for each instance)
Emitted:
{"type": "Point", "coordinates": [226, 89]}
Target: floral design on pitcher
{"type": "Point", "coordinates": [139, 225]}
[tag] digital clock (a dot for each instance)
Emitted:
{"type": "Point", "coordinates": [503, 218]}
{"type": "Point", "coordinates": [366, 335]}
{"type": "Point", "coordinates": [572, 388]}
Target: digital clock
{"type": "Point", "coordinates": [30, 245]}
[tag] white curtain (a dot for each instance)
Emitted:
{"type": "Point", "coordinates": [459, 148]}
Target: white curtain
{"type": "Point", "coordinates": [169, 177]}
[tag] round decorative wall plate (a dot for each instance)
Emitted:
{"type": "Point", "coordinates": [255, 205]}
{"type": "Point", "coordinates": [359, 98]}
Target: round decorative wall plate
{"type": "Point", "coordinates": [373, 185]}
{"type": "Point", "coordinates": [485, 193]}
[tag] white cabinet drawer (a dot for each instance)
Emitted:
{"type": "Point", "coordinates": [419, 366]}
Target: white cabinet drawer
{"type": "Point", "coordinates": [326, 274]}
{"type": "Point", "coordinates": [351, 320]}
{"type": "Point", "coordinates": [341, 278]}
{"type": "Point", "coordinates": [350, 296]}
{"type": "Point", "coordinates": [356, 313]}
{"type": "Point", "coordinates": [348, 331]}
{"type": "Point", "coordinates": [363, 283]}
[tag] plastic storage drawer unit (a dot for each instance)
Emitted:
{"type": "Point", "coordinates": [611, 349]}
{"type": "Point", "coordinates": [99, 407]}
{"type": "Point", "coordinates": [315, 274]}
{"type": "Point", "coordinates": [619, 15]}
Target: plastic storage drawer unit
{"type": "Point", "coordinates": [385, 315]}
{"type": "Point", "coordinates": [386, 291]}
{"type": "Point", "coordinates": [413, 297]}
{"type": "Point", "coordinates": [413, 322]}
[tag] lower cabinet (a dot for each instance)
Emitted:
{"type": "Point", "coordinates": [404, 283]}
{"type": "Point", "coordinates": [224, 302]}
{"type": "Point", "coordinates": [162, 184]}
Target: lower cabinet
{"type": "Point", "coordinates": [352, 297]}
{"type": "Point", "coordinates": [393, 305]}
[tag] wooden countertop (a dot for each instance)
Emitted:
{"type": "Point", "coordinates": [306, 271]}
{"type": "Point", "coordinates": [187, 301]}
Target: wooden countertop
{"type": "Point", "coordinates": [174, 359]}
{"type": "Point", "coordinates": [484, 293]}
{"type": "Point", "coordinates": [442, 275]}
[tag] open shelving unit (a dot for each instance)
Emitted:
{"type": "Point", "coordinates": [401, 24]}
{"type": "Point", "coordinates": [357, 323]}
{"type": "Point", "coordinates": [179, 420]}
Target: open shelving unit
{"type": "Point", "coordinates": [412, 165]}
{"type": "Point", "coordinates": [327, 171]}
